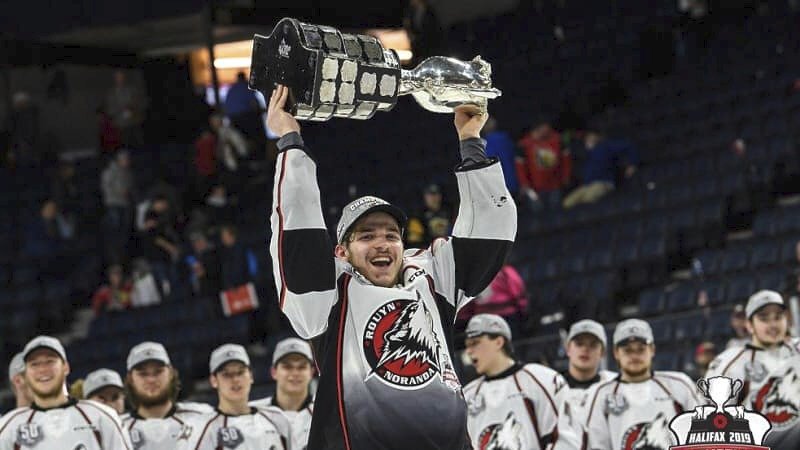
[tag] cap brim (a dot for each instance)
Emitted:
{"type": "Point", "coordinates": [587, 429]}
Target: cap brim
{"type": "Point", "coordinates": [782, 305]}
{"type": "Point", "coordinates": [99, 388]}
{"type": "Point", "coordinates": [39, 347]}
{"type": "Point", "coordinates": [290, 354]}
{"type": "Point", "coordinates": [222, 364]}
{"type": "Point", "coordinates": [392, 210]}
{"type": "Point", "coordinates": [160, 361]}
{"type": "Point", "coordinates": [627, 341]}
{"type": "Point", "coordinates": [585, 333]}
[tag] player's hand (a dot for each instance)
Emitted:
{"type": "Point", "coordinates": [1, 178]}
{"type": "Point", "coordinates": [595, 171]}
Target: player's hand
{"type": "Point", "coordinates": [469, 121]}
{"type": "Point", "coordinates": [279, 121]}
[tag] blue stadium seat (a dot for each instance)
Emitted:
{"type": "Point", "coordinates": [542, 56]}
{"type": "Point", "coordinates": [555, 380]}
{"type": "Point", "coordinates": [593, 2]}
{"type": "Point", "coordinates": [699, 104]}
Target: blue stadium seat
{"type": "Point", "coordinates": [740, 288]}
{"type": "Point", "coordinates": [651, 302]}
{"type": "Point", "coordinates": [681, 298]}
{"type": "Point", "coordinates": [662, 330]}
{"type": "Point", "coordinates": [764, 254]}
{"type": "Point", "coordinates": [733, 260]}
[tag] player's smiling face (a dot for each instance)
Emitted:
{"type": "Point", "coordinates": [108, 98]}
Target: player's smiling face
{"type": "Point", "coordinates": [233, 382]}
{"type": "Point", "coordinates": [293, 374]}
{"type": "Point", "coordinates": [585, 351]}
{"type": "Point", "coordinates": [768, 326]}
{"type": "Point", "coordinates": [45, 373]}
{"type": "Point", "coordinates": [375, 248]}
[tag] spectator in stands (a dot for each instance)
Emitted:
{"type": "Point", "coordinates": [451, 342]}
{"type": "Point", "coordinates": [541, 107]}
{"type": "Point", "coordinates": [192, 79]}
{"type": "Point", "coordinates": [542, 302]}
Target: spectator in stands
{"type": "Point", "coordinates": [231, 149]}
{"type": "Point", "coordinates": [739, 327]}
{"type": "Point", "coordinates": [424, 30]}
{"type": "Point", "coordinates": [117, 184]}
{"type": "Point", "coordinates": [244, 111]}
{"type": "Point", "coordinates": [125, 105]}
{"type": "Point", "coordinates": [24, 131]}
{"type": "Point", "coordinates": [48, 232]}
{"type": "Point", "coordinates": [205, 161]}
{"type": "Point", "coordinates": [599, 172]}
{"type": "Point", "coordinates": [432, 222]}
{"type": "Point", "coordinates": [115, 295]}
{"type": "Point", "coordinates": [219, 208]}
{"type": "Point", "coordinates": [16, 381]}
{"type": "Point", "coordinates": [203, 261]}
{"type": "Point", "coordinates": [65, 191]}
{"type": "Point", "coordinates": [108, 136]}
{"type": "Point", "coordinates": [704, 353]}
{"type": "Point", "coordinates": [505, 296]}
{"type": "Point", "coordinates": [500, 145]}
{"type": "Point", "coordinates": [544, 166]}
{"type": "Point", "coordinates": [239, 264]}
{"type": "Point", "coordinates": [158, 245]}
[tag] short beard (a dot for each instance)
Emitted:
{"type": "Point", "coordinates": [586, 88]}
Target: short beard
{"type": "Point", "coordinates": [148, 402]}
{"type": "Point", "coordinates": [636, 374]}
{"type": "Point", "coordinates": [47, 395]}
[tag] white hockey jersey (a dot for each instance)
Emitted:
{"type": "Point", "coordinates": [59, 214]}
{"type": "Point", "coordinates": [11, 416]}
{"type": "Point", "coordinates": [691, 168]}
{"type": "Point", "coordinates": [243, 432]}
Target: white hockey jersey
{"type": "Point", "coordinates": [169, 432]}
{"type": "Point", "coordinates": [751, 365]}
{"type": "Point", "coordinates": [572, 409]}
{"type": "Point", "coordinates": [518, 409]}
{"type": "Point", "coordinates": [778, 399]}
{"type": "Point", "coordinates": [299, 421]}
{"type": "Point", "coordinates": [262, 429]}
{"type": "Point", "coordinates": [79, 424]}
{"type": "Point", "coordinates": [627, 416]}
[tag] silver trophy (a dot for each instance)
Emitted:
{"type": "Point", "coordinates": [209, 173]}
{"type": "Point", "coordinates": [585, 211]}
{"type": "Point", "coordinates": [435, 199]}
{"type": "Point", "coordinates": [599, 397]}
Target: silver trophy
{"type": "Point", "coordinates": [335, 74]}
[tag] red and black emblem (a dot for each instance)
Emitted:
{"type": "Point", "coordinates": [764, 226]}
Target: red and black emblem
{"type": "Point", "coordinates": [778, 400]}
{"type": "Point", "coordinates": [401, 346]}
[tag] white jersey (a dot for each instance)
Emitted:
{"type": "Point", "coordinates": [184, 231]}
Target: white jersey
{"type": "Point", "coordinates": [169, 432]}
{"type": "Point", "coordinates": [261, 429]}
{"type": "Point", "coordinates": [627, 416]}
{"type": "Point", "coordinates": [79, 424]}
{"type": "Point", "coordinates": [751, 365]}
{"type": "Point", "coordinates": [572, 409]}
{"type": "Point", "coordinates": [517, 409]}
{"type": "Point", "coordinates": [778, 399]}
{"type": "Point", "coordinates": [299, 421]}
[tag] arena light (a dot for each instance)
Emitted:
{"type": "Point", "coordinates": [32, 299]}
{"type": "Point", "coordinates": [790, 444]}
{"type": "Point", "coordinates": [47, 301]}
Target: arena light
{"type": "Point", "coordinates": [232, 63]}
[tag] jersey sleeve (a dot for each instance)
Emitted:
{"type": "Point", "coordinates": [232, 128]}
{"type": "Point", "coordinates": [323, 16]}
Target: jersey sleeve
{"type": "Point", "coordinates": [281, 424]}
{"type": "Point", "coordinates": [691, 396]}
{"type": "Point", "coordinates": [199, 433]}
{"type": "Point", "coordinates": [112, 435]}
{"type": "Point", "coordinates": [542, 388]}
{"type": "Point", "coordinates": [8, 428]}
{"type": "Point", "coordinates": [301, 249]}
{"type": "Point", "coordinates": [568, 434]}
{"type": "Point", "coordinates": [467, 261]}
{"type": "Point", "coordinates": [597, 435]}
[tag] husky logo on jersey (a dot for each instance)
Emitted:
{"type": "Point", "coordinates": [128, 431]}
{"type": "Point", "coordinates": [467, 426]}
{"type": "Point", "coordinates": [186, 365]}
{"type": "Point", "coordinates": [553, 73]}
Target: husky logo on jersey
{"type": "Point", "coordinates": [475, 405]}
{"type": "Point", "coordinates": [779, 400]}
{"type": "Point", "coordinates": [401, 346]}
{"type": "Point", "coordinates": [229, 437]}
{"type": "Point", "coordinates": [654, 435]}
{"type": "Point", "coordinates": [616, 404]}
{"type": "Point", "coordinates": [29, 434]}
{"type": "Point", "coordinates": [501, 436]}
{"type": "Point", "coordinates": [755, 371]}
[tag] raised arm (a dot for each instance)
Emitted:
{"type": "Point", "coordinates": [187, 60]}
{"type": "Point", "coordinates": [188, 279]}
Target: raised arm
{"type": "Point", "coordinates": [301, 250]}
{"type": "Point", "coordinates": [486, 226]}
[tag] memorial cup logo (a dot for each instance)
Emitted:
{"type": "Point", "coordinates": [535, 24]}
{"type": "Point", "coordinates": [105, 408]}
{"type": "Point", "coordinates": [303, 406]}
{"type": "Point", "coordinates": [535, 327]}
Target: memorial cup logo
{"type": "Point", "coordinates": [502, 436]}
{"type": "Point", "coordinates": [401, 346]}
{"type": "Point", "coordinates": [719, 427]}
{"type": "Point", "coordinates": [779, 400]}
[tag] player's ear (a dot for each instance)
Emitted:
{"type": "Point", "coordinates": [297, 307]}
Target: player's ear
{"type": "Point", "coordinates": [749, 326]}
{"type": "Point", "coordinates": [273, 373]}
{"type": "Point", "coordinates": [341, 251]}
{"type": "Point", "coordinates": [212, 380]}
{"type": "Point", "coordinates": [66, 368]}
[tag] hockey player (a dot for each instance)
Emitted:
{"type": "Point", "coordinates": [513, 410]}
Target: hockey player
{"type": "Point", "coordinates": [235, 424]}
{"type": "Point", "coordinates": [292, 370]}
{"type": "Point", "coordinates": [778, 399]}
{"type": "Point", "coordinates": [105, 386]}
{"type": "Point", "coordinates": [382, 318]}
{"type": "Point", "coordinates": [510, 405]}
{"type": "Point", "coordinates": [16, 379]}
{"type": "Point", "coordinates": [157, 420]}
{"type": "Point", "coordinates": [54, 421]}
{"type": "Point", "coordinates": [767, 322]}
{"type": "Point", "coordinates": [586, 346]}
{"type": "Point", "coordinates": [633, 410]}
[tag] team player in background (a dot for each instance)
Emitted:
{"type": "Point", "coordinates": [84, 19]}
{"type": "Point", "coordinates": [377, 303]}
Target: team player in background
{"type": "Point", "coordinates": [157, 420]}
{"type": "Point", "coordinates": [633, 410]}
{"type": "Point", "coordinates": [511, 405]}
{"type": "Point", "coordinates": [55, 421]}
{"type": "Point", "coordinates": [778, 399]}
{"type": "Point", "coordinates": [381, 317]}
{"type": "Point", "coordinates": [586, 347]}
{"type": "Point", "coordinates": [236, 424]}
{"type": "Point", "coordinates": [16, 379]}
{"type": "Point", "coordinates": [767, 322]}
{"type": "Point", "coordinates": [105, 386]}
{"type": "Point", "coordinates": [292, 370]}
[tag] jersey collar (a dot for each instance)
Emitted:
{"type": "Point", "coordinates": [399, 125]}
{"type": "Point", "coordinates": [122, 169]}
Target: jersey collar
{"type": "Point", "coordinates": [306, 402]}
{"type": "Point", "coordinates": [70, 402]}
{"type": "Point", "coordinates": [574, 383]}
{"type": "Point", "coordinates": [253, 410]}
{"type": "Point", "coordinates": [506, 373]}
{"type": "Point", "coordinates": [170, 413]}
